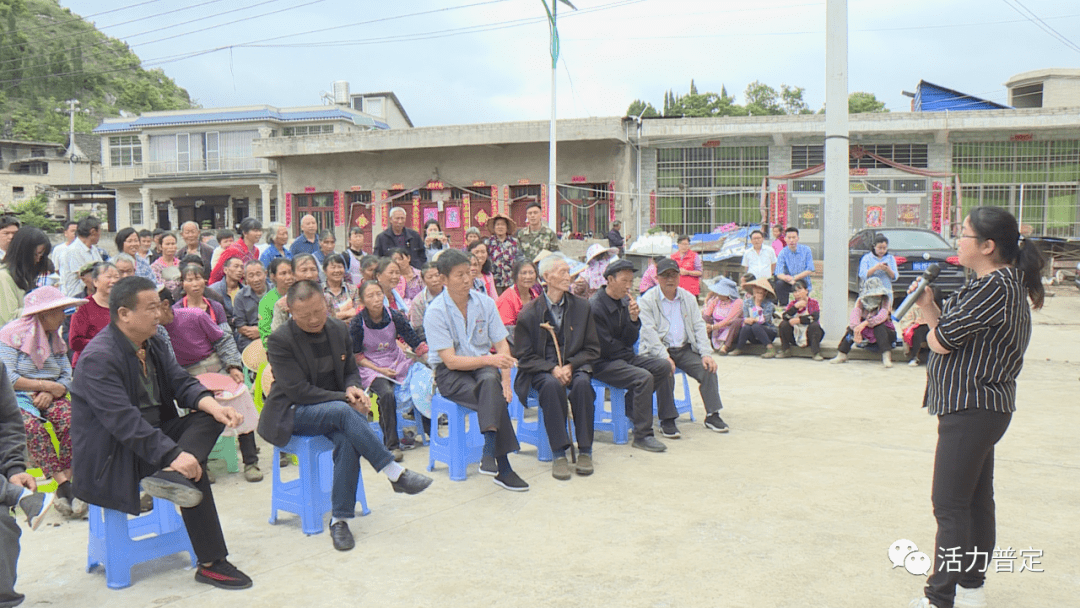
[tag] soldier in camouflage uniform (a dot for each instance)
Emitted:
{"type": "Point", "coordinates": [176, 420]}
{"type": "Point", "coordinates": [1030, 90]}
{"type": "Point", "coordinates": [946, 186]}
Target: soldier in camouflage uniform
{"type": "Point", "coordinates": [535, 237]}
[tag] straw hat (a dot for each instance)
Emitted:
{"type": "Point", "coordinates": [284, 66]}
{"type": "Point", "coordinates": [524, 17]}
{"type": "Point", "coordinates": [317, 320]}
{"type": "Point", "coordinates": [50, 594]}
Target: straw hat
{"type": "Point", "coordinates": [597, 249]}
{"type": "Point", "coordinates": [511, 225]}
{"type": "Point", "coordinates": [764, 284]}
{"type": "Point", "coordinates": [267, 379]}
{"type": "Point", "coordinates": [47, 298]}
{"type": "Point", "coordinates": [254, 355]}
{"type": "Point", "coordinates": [725, 287]}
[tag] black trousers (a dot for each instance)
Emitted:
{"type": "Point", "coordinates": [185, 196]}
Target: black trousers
{"type": "Point", "coordinates": [783, 292]}
{"type": "Point", "coordinates": [384, 390]}
{"type": "Point", "coordinates": [690, 362]}
{"type": "Point", "coordinates": [196, 434]}
{"type": "Point", "coordinates": [920, 349]}
{"type": "Point", "coordinates": [554, 402]}
{"type": "Point", "coordinates": [248, 451]}
{"type": "Point", "coordinates": [755, 332]}
{"type": "Point", "coordinates": [480, 390]}
{"type": "Point", "coordinates": [963, 497]}
{"type": "Point", "coordinates": [641, 377]}
{"type": "Point", "coordinates": [883, 339]}
{"type": "Point", "coordinates": [814, 334]}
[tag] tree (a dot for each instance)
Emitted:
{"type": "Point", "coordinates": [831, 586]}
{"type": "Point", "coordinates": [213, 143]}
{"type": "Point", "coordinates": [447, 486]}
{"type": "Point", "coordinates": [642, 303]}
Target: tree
{"type": "Point", "coordinates": [792, 98]}
{"type": "Point", "coordinates": [762, 99]}
{"type": "Point", "coordinates": [640, 108]}
{"type": "Point", "coordinates": [35, 212]}
{"type": "Point", "coordinates": [860, 103]}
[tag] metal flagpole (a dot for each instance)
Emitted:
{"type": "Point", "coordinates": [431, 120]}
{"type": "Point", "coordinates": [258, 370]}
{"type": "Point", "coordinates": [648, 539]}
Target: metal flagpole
{"type": "Point", "coordinates": [553, 193]}
{"type": "Point", "coordinates": [837, 198]}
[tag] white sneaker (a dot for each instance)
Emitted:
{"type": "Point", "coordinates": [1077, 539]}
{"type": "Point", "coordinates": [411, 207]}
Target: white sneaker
{"type": "Point", "coordinates": [922, 602]}
{"type": "Point", "coordinates": [839, 358]}
{"type": "Point", "coordinates": [970, 598]}
{"type": "Point", "coordinates": [913, 363]}
{"type": "Point", "coordinates": [886, 359]}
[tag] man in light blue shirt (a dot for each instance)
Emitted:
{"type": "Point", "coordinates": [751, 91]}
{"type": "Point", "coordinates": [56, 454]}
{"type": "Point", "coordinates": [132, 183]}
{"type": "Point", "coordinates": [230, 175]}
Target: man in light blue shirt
{"type": "Point", "coordinates": [794, 262]}
{"type": "Point", "coordinates": [879, 263]}
{"type": "Point", "coordinates": [461, 327]}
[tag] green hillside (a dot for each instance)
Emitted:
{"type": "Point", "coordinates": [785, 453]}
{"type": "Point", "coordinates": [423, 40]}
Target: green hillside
{"type": "Point", "coordinates": [49, 54]}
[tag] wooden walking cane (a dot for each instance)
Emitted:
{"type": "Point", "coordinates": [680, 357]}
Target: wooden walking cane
{"type": "Point", "coordinates": [569, 411]}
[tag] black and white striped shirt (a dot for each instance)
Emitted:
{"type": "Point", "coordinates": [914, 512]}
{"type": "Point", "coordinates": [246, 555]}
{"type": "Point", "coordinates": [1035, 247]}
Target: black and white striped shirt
{"type": "Point", "coordinates": [987, 326]}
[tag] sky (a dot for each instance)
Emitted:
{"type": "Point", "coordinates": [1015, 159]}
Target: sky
{"type": "Point", "coordinates": [477, 61]}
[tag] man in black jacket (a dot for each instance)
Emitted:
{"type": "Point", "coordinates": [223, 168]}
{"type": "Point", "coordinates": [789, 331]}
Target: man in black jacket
{"type": "Point", "coordinates": [553, 368]}
{"type": "Point", "coordinates": [617, 327]}
{"type": "Point", "coordinates": [316, 391]}
{"type": "Point", "coordinates": [397, 235]}
{"type": "Point", "coordinates": [125, 429]}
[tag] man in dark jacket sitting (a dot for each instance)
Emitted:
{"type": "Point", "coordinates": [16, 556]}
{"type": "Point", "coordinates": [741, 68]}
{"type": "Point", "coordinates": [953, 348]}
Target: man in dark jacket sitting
{"type": "Point", "coordinates": [316, 391]}
{"type": "Point", "coordinates": [552, 368]}
{"type": "Point", "coordinates": [125, 429]}
{"type": "Point", "coordinates": [397, 235]}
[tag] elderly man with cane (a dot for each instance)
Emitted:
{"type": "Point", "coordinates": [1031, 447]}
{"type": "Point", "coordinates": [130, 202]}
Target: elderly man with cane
{"type": "Point", "coordinates": [555, 344]}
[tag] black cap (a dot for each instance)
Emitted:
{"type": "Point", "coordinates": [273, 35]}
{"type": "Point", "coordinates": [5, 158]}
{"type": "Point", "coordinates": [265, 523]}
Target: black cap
{"type": "Point", "coordinates": [617, 267]}
{"type": "Point", "coordinates": [665, 265]}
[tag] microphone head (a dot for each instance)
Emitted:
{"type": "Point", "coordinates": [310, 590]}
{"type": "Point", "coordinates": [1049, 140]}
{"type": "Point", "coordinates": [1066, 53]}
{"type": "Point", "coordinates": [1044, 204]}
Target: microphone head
{"type": "Point", "coordinates": [932, 272]}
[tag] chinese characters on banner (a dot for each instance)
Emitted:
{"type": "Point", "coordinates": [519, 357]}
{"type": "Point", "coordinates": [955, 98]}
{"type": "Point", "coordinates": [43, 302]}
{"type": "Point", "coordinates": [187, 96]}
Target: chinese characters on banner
{"type": "Point", "coordinates": [611, 202]}
{"type": "Point", "coordinates": [416, 211]}
{"type": "Point", "coordinates": [874, 216]}
{"type": "Point", "coordinates": [781, 205]}
{"type": "Point", "coordinates": [338, 219]}
{"type": "Point", "coordinates": [495, 196]}
{"type": "Point", "coordinates": [652, 208]}
{"type": "Point", "coordinates": [288, 208]}
{"type": "Point", "coordinates": [544, 201]}
{"type": "Point", "coordinates": [384, 208]}
{"type": "Point", "coordinates": [431, 213]}
{"type": "Point", "coordinates": [936, 208]}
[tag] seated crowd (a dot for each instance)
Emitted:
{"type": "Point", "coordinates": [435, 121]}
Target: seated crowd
{"type": "Point", "coordinates": [129, 371]}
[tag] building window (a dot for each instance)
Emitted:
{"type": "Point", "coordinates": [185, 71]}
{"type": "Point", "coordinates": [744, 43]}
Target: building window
{"type": "Point", "coordinates": [306, 130]}
{"type": "Point", "coordinates": [374, 106]}
{"type": "Point", "coordinates": [701, 188]}
{"type": "Point", "coordinates": [136, 214]}
{"type": "Point", "coordinates": [321, 206]}
{"type": "Point", "coordinates": [1039, 176]}
{"type": "Point", "coordinates": [912, 155]}
{"type": "Point", "coordinates": [360, 197]}
{"type": "Point", "coordinates": [583, 209]}
{"type": "Point", "coordinates": [34, 168]}
{"type": "Point", "coordinates": [18, 192]}
{"type": "Point", "coordinates": [125, 151]}
{"type": "Point", "coordinates": [273, 210]}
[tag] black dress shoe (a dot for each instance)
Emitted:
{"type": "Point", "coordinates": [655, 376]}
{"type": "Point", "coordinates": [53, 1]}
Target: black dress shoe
{"type": "Point", "coordinates": [650, 443]}
{"type": "Point", "coordinates": [342, 536]}
{"type": "Point", "coordinates": [173, 487]}
{"type": "Point", "coordinates": [411, 483]}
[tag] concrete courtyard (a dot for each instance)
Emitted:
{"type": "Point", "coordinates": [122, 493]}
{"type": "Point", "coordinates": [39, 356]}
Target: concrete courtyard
{"type": "Point", "coordinates": [824, 468]}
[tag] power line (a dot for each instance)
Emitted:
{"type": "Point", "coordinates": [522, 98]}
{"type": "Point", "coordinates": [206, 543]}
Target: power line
{"type": "Point", "coordinates": [1032, 17]}
{"type": "Point", "coordinates": [84, 18]}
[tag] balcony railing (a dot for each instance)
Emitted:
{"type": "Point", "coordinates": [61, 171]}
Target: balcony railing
{"type": "Point", "coordinates": [191, 168]}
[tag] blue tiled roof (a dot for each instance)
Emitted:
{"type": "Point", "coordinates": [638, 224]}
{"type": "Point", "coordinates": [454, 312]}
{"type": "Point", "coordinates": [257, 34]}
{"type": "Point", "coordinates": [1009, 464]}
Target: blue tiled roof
{"type": "Point", "coordinates": [329, 113]}
{"type": "Point", "coordinates": [930, 97]}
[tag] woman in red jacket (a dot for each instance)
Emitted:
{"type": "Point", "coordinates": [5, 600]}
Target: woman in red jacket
{"type": "Point", "coordinates": [93, 316]}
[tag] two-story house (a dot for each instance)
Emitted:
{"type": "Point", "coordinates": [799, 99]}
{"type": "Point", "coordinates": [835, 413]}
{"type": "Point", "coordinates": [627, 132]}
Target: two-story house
{"type": "Point", "coordinates": [171, 167]}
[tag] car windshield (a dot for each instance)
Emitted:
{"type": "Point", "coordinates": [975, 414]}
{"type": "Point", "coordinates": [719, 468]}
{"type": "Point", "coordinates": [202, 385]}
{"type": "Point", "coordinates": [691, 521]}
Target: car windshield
{"type": "Point", "coordinates": [915, 239]}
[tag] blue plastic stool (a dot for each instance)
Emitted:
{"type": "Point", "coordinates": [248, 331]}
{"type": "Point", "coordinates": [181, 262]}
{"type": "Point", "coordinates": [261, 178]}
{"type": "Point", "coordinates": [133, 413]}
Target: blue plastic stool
{"type": "Point", "coordinates": [402, 423]}
{"type": "Point", "coordinates": [534, 432]}
{"type": "Point", "coordinates": [683, 405]}
{"type": "Point", "coordinates": [309, 496]}
{"type": "Point", "coordinates": [113, 545]}
{"type": "Point", "coordinates": [462, 446]}
{"type": "Point", "coordinates": [225, 449]}
{"type": "Point", "coordinates": [613, 419]}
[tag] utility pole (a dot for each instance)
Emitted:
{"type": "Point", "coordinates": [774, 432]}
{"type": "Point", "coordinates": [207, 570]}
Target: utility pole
{"type": "Point", "coordinates": [837, 198]}
{"type": "Point", "coordinates": [71, 136]}
{"type": "Point", "coordinates": [553, 192]}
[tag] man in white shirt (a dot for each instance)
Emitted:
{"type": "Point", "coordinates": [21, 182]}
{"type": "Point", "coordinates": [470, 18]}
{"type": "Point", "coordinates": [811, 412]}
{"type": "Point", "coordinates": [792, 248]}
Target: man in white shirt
{"type": "Point", "coordinates": [81, 251]}
{"type": "Point", "coordinates": [69, 237]}
{"type": "Point", "coordinates": [758, 260]}
{"type": "Point", "coordinates": [672, 328]}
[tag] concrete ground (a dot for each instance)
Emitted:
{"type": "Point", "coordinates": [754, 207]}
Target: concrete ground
{"type": "Point", "coordinates": [824, 468]}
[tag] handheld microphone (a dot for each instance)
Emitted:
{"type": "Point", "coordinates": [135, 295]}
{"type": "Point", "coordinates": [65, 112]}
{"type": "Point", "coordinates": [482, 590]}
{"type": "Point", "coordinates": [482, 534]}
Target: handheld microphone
{"type": "Point", "coordinates": [926, 279]}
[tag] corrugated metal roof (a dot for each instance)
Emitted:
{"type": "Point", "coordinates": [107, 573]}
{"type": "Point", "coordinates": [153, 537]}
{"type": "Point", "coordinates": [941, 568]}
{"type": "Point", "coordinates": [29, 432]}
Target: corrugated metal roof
{"type": "Point", "coordinates": [930, 97]}
{"type": "Point", "coordinates": [226, 116]}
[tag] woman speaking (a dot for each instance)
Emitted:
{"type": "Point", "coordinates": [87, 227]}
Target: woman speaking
{"type": "Point", "coordinates": [977, 342]}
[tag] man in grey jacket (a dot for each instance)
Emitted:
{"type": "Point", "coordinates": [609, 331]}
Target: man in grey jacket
{"type": "Point", "coordinates": [672, 327]}
{"type": "Point", "coordinates": [16, 488]}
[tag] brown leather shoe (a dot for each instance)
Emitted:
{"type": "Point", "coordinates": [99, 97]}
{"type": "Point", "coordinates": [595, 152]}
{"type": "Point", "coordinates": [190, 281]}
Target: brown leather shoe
{"type": "Point", "coordinates": [560, 469]}
{"type": "Point", "coordinates": [584, 465]}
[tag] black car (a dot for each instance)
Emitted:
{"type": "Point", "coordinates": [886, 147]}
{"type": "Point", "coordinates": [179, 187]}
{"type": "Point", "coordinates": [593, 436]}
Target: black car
{"type": "Point", "coordinates": [914, 249]}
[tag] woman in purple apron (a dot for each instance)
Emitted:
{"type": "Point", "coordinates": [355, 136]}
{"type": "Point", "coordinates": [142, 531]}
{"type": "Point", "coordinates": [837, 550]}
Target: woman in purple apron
{"type": "Point", "coordinates": [383, 364]}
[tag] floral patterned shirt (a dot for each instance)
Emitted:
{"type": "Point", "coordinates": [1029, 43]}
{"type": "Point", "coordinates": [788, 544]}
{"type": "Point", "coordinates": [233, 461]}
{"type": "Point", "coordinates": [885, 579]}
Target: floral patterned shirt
{"type": "Point", "coordinates": [502, 255]}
